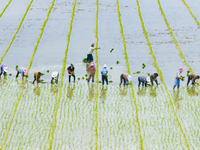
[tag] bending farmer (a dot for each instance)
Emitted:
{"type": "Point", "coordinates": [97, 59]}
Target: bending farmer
{"type": "Point", "coordinates": [21, 71]}
{"type": "Point", "coordinates": [104, 73]}
{"type": "Point", "coordinates": [37, 76]}
{"type": "Point", "coordinates": [144, 80]}
{"type": "Point", "coordinates": [192, 77]}
{"type": "Point", "coordinates": [91, 50]}
{"type": "Point", "coordinates": [126, 78]}
{"type": "Point", "coordinates": [54, 76]}
{"type": "Point", "coordinates": [71, 72]}
{"type": "Point", "coordinates": [178, 77]}
{"type": "Point", "coordinates": [4, 70]}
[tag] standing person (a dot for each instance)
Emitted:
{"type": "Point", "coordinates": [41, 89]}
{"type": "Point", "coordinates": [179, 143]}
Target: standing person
{"type": "Point", "coordinates": [21, 71]}
{"type": "Point", "coordinates": [192, 77]}
{"type": "Point", "coordinates": [104, 73]}
{"type": "Point", "coordinates": [54, 76]}
{"type": "Point", "coordinates": [178, 77]}
{"type": "Point", "coordinates": [4, 70]}
{"type": "Point", "coordinates": [91, 50]}
{"type": "Point", "coordinates": [92, 71]}
{"type": "Point", "coordinates": [71, 72]}
{"type": "Point", "coordinates": [126, 78]}
{"type": "Point", "coordinates": [144, 80]}
{"type": "Point", "coordinates": [37, 76]}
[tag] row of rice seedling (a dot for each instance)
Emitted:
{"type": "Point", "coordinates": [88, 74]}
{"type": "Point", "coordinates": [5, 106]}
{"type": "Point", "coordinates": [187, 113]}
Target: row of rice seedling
{"type": "Point", "coordinates": [129, 72]}
{"type": "Point", "coordinates": [17, 30]}
{"type": "Point", "coordinates": [22, 89]}
{"type": "Point", "coordinates": [56, 107]}
{"type": "Point", "coordinates": [195, 18]}
{"type": "Point", "coordinates": [5, 8]}
{"type": "Point", "coordinates": [161, 77]}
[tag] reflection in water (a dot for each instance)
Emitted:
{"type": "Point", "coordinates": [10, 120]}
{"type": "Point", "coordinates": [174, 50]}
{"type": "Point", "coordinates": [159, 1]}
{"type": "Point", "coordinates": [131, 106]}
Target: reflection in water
{"type": "Point", "coordinates": [123, 91]}
{"type": "Point", "coordinates": [54, 89]}
{"type": "Point", "coordinates": [103, 93]}
{"type": "Point", "coordinates": [177, 98]}
{"type": "Point", "coordinates": [70, 90]}
{"type": "Point", "coordinates": [87, 70]}
{"type": "Point", "coordinates": [3, 81]}
{"type": "Point", "coordinates": [142, 91]}
{"type": "Point", "coordinates": [152, 91]}
{"type": "Point", "coordinates": [36, 91]}
{"type": "Point", "coordinates": [91, 91]}
{"type": "Point", "coordinates": [191, 91]}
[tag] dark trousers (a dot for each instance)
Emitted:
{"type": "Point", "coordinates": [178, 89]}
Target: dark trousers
{"type": "Point", "coordinates": [70, 78]}
{"type": "Point", "coordinates": [18, 74]}
{"type": "Point", "coordinates": [122, 79]}
{"type": "Point", "coordinates": [2, 72]}
{"type": "Point", "coordinates": [89, 57]}
{"type": "Point", "coordinates": [104, 78]}
{"type": "Point", "coordinates": [144, 83]}
{"type": "Point", "coordinates": [189, 80]}
{"type": "Point", "coordinates": [90, 78]}
{"type": "Point", "coordinates": [36, 79]}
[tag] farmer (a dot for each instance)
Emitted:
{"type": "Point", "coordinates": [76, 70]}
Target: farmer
{"type": "Point", "coordinates": [37, 76]}
{"type": "Point", "coordinates": [91, 50]}
{"type": "Point", "coordinates": [71, 72]}
{"type": "Point", "coordinates": [178, 77]}
{"type": "Point", "coordinates": [21, 71]}
{"type": "Point", "coordinates": [54, 76]}
{"type": "Point", "coordinates": [192, 77]}
{"type": "Point", "coordinates": [92, 71]}
{"type": "Point", "coordinates": [144, 80]}
{"type": "Point", "coordinates": [104, 73]}
{"type": "Point", "coordinates": [126, 77]}
{"type": "Point", "coordinates": [4, 70]}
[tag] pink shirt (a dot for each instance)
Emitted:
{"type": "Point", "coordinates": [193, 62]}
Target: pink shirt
{"type": "Point", "coordinates": [92, 69]}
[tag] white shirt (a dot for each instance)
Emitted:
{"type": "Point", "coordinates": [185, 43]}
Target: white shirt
{"type": "Point", "coordinates": [178, 74]}
{"type": "Point", "coordinates": [91, 50]}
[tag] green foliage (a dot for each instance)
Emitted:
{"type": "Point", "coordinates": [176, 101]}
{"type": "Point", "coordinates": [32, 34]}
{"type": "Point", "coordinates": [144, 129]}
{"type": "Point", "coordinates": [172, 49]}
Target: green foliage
{"type": "Point", "coordinates": [183, 79]}
{"type": "Point", "coordinates": [110, 81]}
{"type": "Point", "coordinates": [111, 68]}
{"type": "Point", "coordinates": [26, 75]}
{"type": "Point", "coordinates": [83, 78]}
{"type": "Point", "coordinates": [84, 60]}
{"type": "Point", "coordinates": [47, 71]}
{"type": "Point", "coordinates": [111, 50]}
{"type": "Point", "coordinates": [105, 75]}
{"type": "Point", "coordinates": [137, 72]}
{"type": "Point", "coordinates": [143, 66]}
{"type": "Point", "coordinates": [148, 74]}
{"type": "Point", "coordinates": [10, 74]}
{"type": "Point", "coordinates": [86, 75]}
{"type": "Point", "coordinates": [42, 74]}
{"type": "Point", "coordinates": [117, 62]}
{"type": "Point", "coordinates": [188, 73]}
{"type": "Point", "coordinates": [100, 81]}
{"type": "Point", "coordinates": [79, 78]}
{"type": "Point", "coordinates": [73, 74]}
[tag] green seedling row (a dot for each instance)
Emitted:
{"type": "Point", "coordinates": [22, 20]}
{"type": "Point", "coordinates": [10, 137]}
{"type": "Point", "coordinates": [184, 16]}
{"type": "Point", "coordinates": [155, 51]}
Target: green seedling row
{"type": "Point", "coordinates": [160, 74]}
{"type": "Point", "coordinates": [5, 8]}
{"type": "Point", "coordinates": [128, 68]}
{"type": "Point", "coordinates": [23, 83]}
{"type": "Point", "coordinates": [62, 78]}
{"type": "Point", "coordinates": [17, 30]}
{"type": "Point", "coordinates": [195, 18]}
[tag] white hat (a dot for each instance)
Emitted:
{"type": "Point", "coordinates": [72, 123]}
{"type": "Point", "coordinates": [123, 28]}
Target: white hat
{"type": "Point", "coordinates": [54, 74]}
{"type": "Point", "coordinates": [5, 69]}
{"type": "Point", "coordinates": [105, 66]}
{"type": "Point", "coordinates": [148, 79]}
{"type": "Point", "coordinates": [129, 78]}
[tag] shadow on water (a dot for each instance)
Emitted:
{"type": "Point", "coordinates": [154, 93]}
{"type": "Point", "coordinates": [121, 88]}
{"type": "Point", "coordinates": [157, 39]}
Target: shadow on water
{"type": "Point", "coordinates": [192, 91]}
{"type": "Point", "coordinates": [152, 91]}
{"type": "Point", "coordinates": [54, 89]}
{"type": "Point", "coordinates": [123, 91]}
{"type": "Point", "coordinates": [142, 91]}
{"type": "Point", "coordinates": [177, 98]}
{"type": "Point", "coordinates": [87, 70]}
{"type": "Point", "coordinates": [90, 92]}
{"type": "Point", "coordinates": [103, 93]}
{"type": "Point", "coordinates": [37, 91]}
{"type": "Point", "coordinates": [70, 90]}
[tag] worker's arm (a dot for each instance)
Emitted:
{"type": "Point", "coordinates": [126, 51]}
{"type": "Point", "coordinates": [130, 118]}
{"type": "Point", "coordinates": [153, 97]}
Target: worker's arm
{"type": "Point", "coordinates": [97, 48]}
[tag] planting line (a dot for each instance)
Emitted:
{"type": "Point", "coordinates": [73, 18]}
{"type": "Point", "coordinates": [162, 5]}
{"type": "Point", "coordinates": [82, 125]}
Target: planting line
{"type": "Point", "coordinates": [18, 28]}
{"type": "Point", "coordinates": [160, 74]}
{"type": "Point", "coordinates": [5, 8]}
{"type": "Point", "coordinates": [97, 78]}
{"type": "Point", "coordinates": [195, 18]}
{"type": "Point", "coordinates": [128, 68]}
{"type": "Point", "coordinates": [61, 82]}
{"type": "Point", "coordinates": [23, 84]}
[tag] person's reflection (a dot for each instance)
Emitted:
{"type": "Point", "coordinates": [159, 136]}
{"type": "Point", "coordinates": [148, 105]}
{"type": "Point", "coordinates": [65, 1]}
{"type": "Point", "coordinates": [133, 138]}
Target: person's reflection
{"type": "Point", "coordinates": [36, 91]}
{"type": "Point", "coordinates": [91, 92]}
{"type": "Point", "coordinates": [103, 93]}
{"type": "Point", "coordinates": [3, 81]}
{"type": "Point", "coordinates": [87, 69]}
{"type": "Point", "coordinates": [152, 91]}
{"type": "Point", "coordinates": [54, 89]}
{"type": "Point", "coordinates": [142, 91]}
{"type": "Point", "coordinates": [70, 90]}
{"type": "Point", "coordinates": [123, 91]}
{"type": "Point", "coordinates": [177, 99]}
{"type": "Point", "coordinates": [191, 91]}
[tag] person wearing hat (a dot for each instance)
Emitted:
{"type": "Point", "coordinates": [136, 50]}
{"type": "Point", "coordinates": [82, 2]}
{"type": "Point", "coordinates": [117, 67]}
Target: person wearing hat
{"type": "Point", "coordinates": [92, 71]}
{"type": "Point", "coordinates": [192, 77]}
{"type": "Point", "coordinates": [54, 76]}
{"type": "Point", "coordinates": [126, 78]}
{"type": "Point", "coordinates": [37, 76]}
{"type": "Point", "coordinates": [71, 72]}
{"type": "Point", "coordinates": [178, 77]}
{"type": "Point", "coordinates": [104, 73]}
{"type": "Point", "coordinates": [149, 79]}
{"type": "Point", "coordinates": [4, 70]}
{"type": "Point", "coordinates": [91, 50]}
{"type": "Point", "coordinates": [21, 71]}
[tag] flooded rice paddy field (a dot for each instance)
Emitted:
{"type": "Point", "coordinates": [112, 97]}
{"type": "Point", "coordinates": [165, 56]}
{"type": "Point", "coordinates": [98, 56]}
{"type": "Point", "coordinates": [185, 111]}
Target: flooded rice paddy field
{"type": "Point", "coordinates": [50, 35]}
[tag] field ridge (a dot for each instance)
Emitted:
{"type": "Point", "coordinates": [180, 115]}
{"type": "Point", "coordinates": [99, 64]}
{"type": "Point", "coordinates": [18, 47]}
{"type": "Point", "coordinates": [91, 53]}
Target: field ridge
{"type": "Point", "coordinates": [5, 8]}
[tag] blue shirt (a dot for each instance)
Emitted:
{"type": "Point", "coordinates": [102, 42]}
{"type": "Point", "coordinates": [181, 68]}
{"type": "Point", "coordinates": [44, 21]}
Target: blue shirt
{"type": "Point", "coordinates": [104, 71]}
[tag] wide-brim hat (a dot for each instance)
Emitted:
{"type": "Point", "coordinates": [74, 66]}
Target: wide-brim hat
{"type": "Point", "coordinates": [129, 78]}
{"type": "Point", "coordinates": [25, 70]}
{"type": "Point", "coordinates": [181, 69]}
{"type": "Point", "coordinates": [92, 64]}
{"type": "Point", "coordinates": [54, 74]}
{"type": "Point", "coordinates": [105, 66]}
{"type": "Point", "coordinates": [5, 69]}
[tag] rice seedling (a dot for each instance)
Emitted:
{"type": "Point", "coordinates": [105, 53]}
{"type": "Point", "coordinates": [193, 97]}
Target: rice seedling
{"type": "Point", "coordinates": [137, 72]}
{"type": "Point", "coordinates": [143, 66]}
{"type": "Point", "coordinates": [111, 68]}
{"type": "Point", "coordinates": [83, 78]}
{"type": "Point", "coordinates": [84, 60]}
{"type": "Point", "coordinates": [17, 30]}
{"type": "Point", "coordinates": [47, 71]}
{"type": "Point", "coordinates": [5, 8]}
{"type": "Point", "coordinates": [79, 78]}
{"type": "Point", "coordinates": [111, 50]}
{"type": "Point", "coordinates": [117, 62]}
